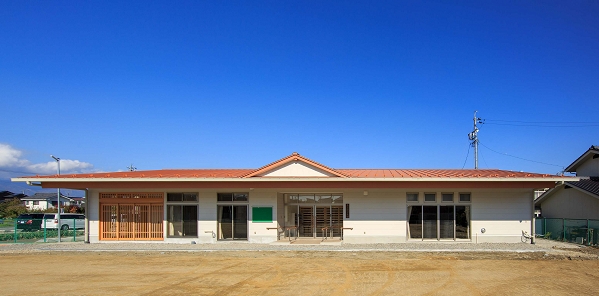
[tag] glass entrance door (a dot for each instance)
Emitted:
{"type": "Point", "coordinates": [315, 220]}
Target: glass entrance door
{"type": "Point", "coordinates": [306, 221]}
{"type": "Point", "coordinates": [232, 222]}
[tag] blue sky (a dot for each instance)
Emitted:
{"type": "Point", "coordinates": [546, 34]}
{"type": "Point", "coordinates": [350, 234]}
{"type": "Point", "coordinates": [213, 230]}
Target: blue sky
{"type": "Point", "coordinates": [239, 84]}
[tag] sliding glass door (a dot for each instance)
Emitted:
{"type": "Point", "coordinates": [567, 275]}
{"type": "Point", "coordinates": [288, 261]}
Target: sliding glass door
{"type": "Point", "coordinates": [232, 222]}
{"type": "Point", "coordinates": [438, 222]}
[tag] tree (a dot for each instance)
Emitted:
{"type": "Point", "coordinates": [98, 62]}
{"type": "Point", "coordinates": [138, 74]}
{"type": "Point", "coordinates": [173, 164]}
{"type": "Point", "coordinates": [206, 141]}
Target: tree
{"type": "Point", "coordinates": [12, 208]}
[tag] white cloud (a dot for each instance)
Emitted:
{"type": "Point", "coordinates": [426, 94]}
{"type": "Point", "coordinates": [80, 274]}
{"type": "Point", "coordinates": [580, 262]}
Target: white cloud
{"type": "Point", "coordinates": [12, 161]}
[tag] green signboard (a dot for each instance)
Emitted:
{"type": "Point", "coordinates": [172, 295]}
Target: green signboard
{"type": "Point", "coordinates": [261, 214]}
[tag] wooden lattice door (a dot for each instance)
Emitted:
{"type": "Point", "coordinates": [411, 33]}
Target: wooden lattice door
{"type": "Point", "coordinates": [131, 216]}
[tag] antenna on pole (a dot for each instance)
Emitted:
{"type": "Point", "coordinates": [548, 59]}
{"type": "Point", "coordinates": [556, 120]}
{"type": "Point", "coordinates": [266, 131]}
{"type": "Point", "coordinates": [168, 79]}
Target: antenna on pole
{"type": "Point", "coordinates": [473, 136]}
{"type": "Point", "coordinates": [132, 168]}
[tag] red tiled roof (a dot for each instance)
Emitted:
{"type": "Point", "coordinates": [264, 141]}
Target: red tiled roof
{"type": "Point", "coordinates": [350, 173]}
{"type": "Point", "coordinates": [342, 173]}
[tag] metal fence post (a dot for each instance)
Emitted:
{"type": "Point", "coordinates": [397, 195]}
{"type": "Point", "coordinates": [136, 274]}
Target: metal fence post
{"type": "Point", "coordinates": [15, 233]}
{"type": "Point", "coordinates": [588, 240]}
{"type": "Point", "coordinates": [74, 230]}
{"type": "Point", "coordinates": [45, 231]}
{"type": "Point", "coordinates": [564, 229]}
{"type": "Point", "coordinates": [545, 227]}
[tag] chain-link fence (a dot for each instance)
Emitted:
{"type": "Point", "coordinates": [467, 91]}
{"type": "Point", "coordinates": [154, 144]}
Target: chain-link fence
{"type": "Point", "coordinates": [580, 231]}
{"type": "Point", "coordinates": [41, 230]}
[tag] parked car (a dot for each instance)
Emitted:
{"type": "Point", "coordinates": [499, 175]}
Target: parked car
{"type": "Point", "coordinates": [30, 221]}
{"type": "Point", "coordinates": [67, 221]}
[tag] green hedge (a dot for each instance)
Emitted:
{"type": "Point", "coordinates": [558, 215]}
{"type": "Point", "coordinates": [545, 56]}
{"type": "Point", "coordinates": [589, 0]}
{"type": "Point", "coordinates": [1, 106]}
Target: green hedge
{"type": "Point", "coordinates": [37, 235]}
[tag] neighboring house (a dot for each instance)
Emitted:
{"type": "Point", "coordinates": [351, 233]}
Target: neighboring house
{"type": "Point", "coordinates": [43, 201]}
{"type": "Point", "coordinates": [298, 197]}
{"type": "Point", "coordinates": [78, 201]}
{"type": "Point", "coordinates": [7, 195]}
{"type": "Point", "coordinates": [575, 199]}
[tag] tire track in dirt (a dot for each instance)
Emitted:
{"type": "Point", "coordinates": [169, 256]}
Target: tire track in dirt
{"type": "Point", "coordinates": [251, 281]}
{"type": "Point", "coordinates": [347, 283]}
{"type": "Point", "coordinates": [452, 279]}
{"type": "Point", "coordinates": [165, 289]}
{"type": "Point", "coordinates": [390, 277]}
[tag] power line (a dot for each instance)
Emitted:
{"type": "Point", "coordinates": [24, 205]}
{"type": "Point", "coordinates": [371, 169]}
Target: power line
{"type": "Point", "coordinates": [505, 154]}
{"type": "Point", "coordinates": [559, 124]}
{"type": "Point", "coordinates": [468, 153]}
{"type": "Point", "coordinates": [555, 122]}
{"type": "Point", "coordinates": [541, 125]}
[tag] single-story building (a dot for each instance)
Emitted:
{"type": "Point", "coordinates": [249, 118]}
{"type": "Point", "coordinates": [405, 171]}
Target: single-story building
{"type": "Point", "coordinates": [298, 197]}
{"type": "Point", "coordinates": [575, 199]}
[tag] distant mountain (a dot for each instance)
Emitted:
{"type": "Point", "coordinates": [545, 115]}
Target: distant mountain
{"type": "Point", "coordinates": [21, 187]}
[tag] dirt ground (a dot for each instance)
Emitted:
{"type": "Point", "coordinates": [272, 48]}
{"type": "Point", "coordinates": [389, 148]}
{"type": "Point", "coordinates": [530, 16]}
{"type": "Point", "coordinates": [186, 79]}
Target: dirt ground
{"type": "Point", "coordinates": [296, 273]}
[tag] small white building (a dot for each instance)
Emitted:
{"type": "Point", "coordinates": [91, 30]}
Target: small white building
{"type": "Point", "coordinates": [575, 199]}
{"type": "Point", "coordinates": [44, 201]}
{"type": "Point", "coordinates": [295, 197]}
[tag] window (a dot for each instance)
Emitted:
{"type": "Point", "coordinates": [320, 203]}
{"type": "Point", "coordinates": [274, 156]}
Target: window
{"type": "Point", "coordinates": [464, 197]}
{"type": "Point", "coordinates": [182, 214]}
{"type": "Point", "coordinates": [430, 197]}
{"type": "Point", "coordinates": [412, 197]}
{"type": "Point", "coordinates": [232, 197]}
{"type": "Point", "coordinates": [447, 197]}
{"type": "Point", "coordinates": [181, 197]}
{"type": "Point", "coordinates": [438, 222]}
{"type": "Point", "coordinates": [36, 202]}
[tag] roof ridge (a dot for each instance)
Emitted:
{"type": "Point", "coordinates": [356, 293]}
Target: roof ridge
{"type": "Point", "coordinates": [294, 156]}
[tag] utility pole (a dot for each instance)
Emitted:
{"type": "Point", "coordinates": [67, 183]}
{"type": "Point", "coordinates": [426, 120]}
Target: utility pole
{"type": "Point", "coordinates": [473, 136]}
{"type": "Point", "coordinates": [57, 200]}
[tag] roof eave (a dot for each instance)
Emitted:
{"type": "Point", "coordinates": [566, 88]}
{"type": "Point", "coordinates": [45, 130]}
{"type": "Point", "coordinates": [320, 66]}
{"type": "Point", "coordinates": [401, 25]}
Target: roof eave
{"type": "Point", "coordinates": [299, 179]}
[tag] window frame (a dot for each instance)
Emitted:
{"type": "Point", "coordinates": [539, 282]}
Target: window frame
{"type": "Point", "coordinates": [182, 203]}
{"type": "Point", "coordinates": [412, 193]}
{"type": "Point", "coordinates": [434, 194]}
{"type": "Point", "coordinates": [443, 194]}
{"type": "Point", "coordinates": [464, 201]}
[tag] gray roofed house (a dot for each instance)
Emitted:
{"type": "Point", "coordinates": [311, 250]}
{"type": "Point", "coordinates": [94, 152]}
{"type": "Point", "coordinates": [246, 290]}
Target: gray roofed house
{"type": "Point", "coordinates": [575, 199]}
{"type": "Point", "coordinates": [43, 201]}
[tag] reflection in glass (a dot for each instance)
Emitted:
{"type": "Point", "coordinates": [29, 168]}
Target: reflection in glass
{"type": "Point", "coordinates": [446, 221]}
{"type": "Point", "coordinates": [415, 221]}
{"type": "Point", "coordinates": [429, 222]}
{"type": "Point", "coordinates": [462, 222]}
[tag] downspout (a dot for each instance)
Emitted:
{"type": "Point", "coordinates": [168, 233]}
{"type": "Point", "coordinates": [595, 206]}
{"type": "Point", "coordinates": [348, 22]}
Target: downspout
{"type": "Point", "coordinates": [86, 233]}
{"type": "Point", "coordinates": [532, 226]}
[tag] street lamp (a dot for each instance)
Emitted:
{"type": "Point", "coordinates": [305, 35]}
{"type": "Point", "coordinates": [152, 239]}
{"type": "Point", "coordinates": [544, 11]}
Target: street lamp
{"type": "Point", "coordinates": [58, 199]}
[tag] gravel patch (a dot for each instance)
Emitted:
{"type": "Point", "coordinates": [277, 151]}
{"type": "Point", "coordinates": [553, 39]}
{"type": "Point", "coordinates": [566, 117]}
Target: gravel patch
{"type": "Point", "coordinates": [542, 245]}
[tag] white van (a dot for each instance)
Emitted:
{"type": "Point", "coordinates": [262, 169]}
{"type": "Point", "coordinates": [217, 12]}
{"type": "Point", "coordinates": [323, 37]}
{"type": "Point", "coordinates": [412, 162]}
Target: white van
{"type": "Point", "coordinates": [67, 221]}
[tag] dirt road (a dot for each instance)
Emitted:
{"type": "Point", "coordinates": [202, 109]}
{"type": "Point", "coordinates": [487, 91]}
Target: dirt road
{"type": "Point", "coordinates": [295, 273]}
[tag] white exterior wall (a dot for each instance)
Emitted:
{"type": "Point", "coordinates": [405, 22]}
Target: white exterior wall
{"type": "Point", "coordinates": [588, 168]}
{"type": "Point", "coordinates": [570, 204]}
{"type": "Point", "coordinates": [503, 215]}
{"type": "Point", "coordinates": [379, 217]}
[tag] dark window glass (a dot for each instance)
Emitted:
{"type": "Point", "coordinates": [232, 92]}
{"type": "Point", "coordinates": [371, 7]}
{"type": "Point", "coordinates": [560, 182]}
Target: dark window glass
{"type": "Point", "coordinates": [415, 222]}
{"type": "Point", "coordinates": [447, 197]}
{"type": "Point", "coordinates": [190, 197]}
{"type": "Point", "coordinates": [465, 197]}
{"type": "Point", "coordinates": [462, 222]}
{"type": "Point", "coordinates": [225, 196]}
{"type": "Point", "coordinates": [182, 221]}
{"type": "Point", "coordinates": [429, 221]}
{"type": "Point", "coordinates": [412, 197]}
{"type": "Point", "coordinates": [240, 197]}
{"type": "Point", "coordinates": [430, 197]}
{"type": "Point", "coordinates": [174, 197]}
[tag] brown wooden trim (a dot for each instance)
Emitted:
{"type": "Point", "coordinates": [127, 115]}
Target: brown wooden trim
{"type": "Point", "coordinates": [131, 201]}
{"type": "Point", "coordinates": [306, 184]}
